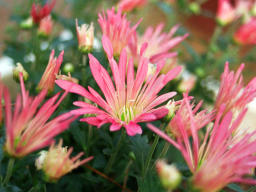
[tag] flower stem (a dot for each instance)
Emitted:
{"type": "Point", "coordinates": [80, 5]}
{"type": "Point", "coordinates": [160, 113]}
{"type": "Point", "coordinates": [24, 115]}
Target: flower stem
{"type": "Point", "coordinates": [165, 149]}
{"type": "Point", "coordinates": [9, 170]}
{"type": "Point", "coordinates": [153, 147]}
{"type": "Point", "coordinates": [113, 155]}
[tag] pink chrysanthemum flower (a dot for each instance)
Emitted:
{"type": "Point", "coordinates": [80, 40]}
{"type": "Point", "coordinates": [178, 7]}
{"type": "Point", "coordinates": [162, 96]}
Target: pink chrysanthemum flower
{"type": "Point", "coordinates": [45, 26]}
{"type": "Point", "coordinates": [232, 92]}
{"type": "Point", "coordinates": [217, 160]}
{"type": "Point", "coordinates": [56, 162]}
{"type": "Point", "coordinates": [28, 128]}
{"type": "Point", "coordinates": [52, 69]}
{"type": "Point", "coordinates": [202, 118]}
{"type": "Point", "coordinates": [129, 5]}
{"type": "Point", "coordinates": [159, 44]}
{"type": "Point", "coordinates": [38, 12]}
{"type": "Point", "coordinates": [246, 34]}
{"type": "Point", "coordinates": [117, 28]}
{"type": "Point", "coordinates": [129, 100]}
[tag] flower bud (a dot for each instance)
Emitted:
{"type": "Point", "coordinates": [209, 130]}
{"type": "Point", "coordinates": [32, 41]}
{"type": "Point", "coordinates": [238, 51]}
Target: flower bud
{"type": "Point", "coordinates": [85, 36]}
{"type": "Point", "coordinates": [45, 27]}
{"type": "Point", "coordinates": [194, 8]}
{"type": "Point", "coordinates": [68, 68]}
{"type": "Point", "coordinates": [16, 73]}
{"type": "Point", "coordinates": [56, 162]}
{"type": "Point", "coordinates": [27, 23]}
{"type": "Point", "coordinates": [170, 176]}
{"type": "Point", "coordinates": [171, 108]}
{"type": "Point", "coordinates": [151, 69]}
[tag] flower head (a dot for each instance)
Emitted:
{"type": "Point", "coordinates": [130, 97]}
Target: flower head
{"type": "Point", "coordinates": [129, 5]}
{"type": "Point", "coordinates": [28, 128]}
{"type": "Point", "coordinates": [117, 28]}
{"type": "Point", "coordinates": [85, 36]}
{"type": "Point", "coordinates": [159, 44]}
{"type": "Point", "coordinates": [217, 159]}
{"type": "Point", "coordinates": [56, 162]}
{"type": "Point", "coordinates": [52, 69]}
{"type": "Point", "coordinates": [38, 12]}
{"type": "Point", "coordinates": [45, 26]}
{"type": "Point", "coordinates": [130, 100]}
{"type": "Point", "coordinates": [246, 34]}
{"type": "Point", "coordinates": [201, 118]}
{"type": "Point", "coordinates": [232, 93]}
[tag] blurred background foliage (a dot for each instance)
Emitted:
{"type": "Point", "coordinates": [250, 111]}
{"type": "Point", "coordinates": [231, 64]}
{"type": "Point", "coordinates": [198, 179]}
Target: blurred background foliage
{"type": "Point", "coordinates": [203, 54]}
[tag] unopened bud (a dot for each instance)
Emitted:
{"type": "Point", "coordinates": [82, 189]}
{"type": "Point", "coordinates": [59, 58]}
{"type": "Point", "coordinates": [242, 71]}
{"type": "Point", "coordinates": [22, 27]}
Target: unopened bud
{"type": "Point", "coordinates": [16, 73]}
{"type": "Point", "coordinates": [169, 175]}
{"type": "Point", "coordinates": [194, 8]}
{"type": "Point", "coordinates": [68, 68]}
{"type": "Point", "coordinates": [171, 108]}
{"type": "Point", "coordinates": [85, 36]}
{"type": "Point", "coordinates": [27, 23]}
{"type": "Point", "coordinates": [45, 27]}
{"type": "Point", "coordinates": [132, 156]}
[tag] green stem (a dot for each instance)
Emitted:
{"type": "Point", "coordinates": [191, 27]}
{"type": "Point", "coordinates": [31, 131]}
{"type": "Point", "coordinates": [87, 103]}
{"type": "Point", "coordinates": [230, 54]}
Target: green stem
{"type": "Point", "coordinates": [83, 70]}
{"type": "Point", "coordinates": [153, 147]}
{"type": "Point", "coordinates": [89, 136]}
{"type": "Point", "coordinates": [113, 155]}
{"type": "Point", "coordinates": [9, 170]}
{"type": "Point", "coordinates": [165, 149]}
{"type": "Point", "coordinates": [126, 172]}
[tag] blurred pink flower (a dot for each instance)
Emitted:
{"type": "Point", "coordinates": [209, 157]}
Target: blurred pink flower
{"type": "Point", "coordinates": [201, 118]}
{"type": "Point", "coordinates": [232, 92]}
{"type": "Point", "coordinates": [85, 37]}
{"type": "Point", "coordinates": [45, 26]}
{"type": "Point", "coordinates": [217, 160]}
{"type": "Point", "coordinates": [117, 28]}
{"type": "Point", "coordinates": [229, 11]}
{"type": "Point", "coordinates": [246, 34]}
{"type": "Point", "coordinates": [52, 69]}
{"type": "Point", "coordinates": [129, 5]}
{"type": "Point", "coordinates": [225, 12]}
{"type": "Point", "coordinates": [56, 162]}
{"type": "Point", "coordinates": [127, 102]}
{"type": "Point", "coordinates": [38, 12]}
{"type": "Point", "coordinates": [29, 128]}
{"type": "Point", "coordinates": [159, 44]}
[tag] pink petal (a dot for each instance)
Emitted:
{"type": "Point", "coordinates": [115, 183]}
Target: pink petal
{"type": "Point", "coordinates": [133, 129]}
{"type": "Point", "coordinates": [107, 46]}
{"type": "Point", "coordinates": [115, 127]}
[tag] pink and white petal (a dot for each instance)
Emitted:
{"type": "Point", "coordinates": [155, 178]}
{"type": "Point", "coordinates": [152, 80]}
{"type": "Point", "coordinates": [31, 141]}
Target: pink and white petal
{"type": "Point", "coordinates": [159, 112]}
{"type": "Point", "coordinates": [74, 88]}
{"type": "Point", "coordinates": [115, 127]}
{"type": "Point", "coordinates": [172, 74]}
{"type": "Point", "coordinates": [146, 117]}
{"type": "Point", "coordinates": [107, 46]}
{"type": "Point", "coordinates": [133, 129]}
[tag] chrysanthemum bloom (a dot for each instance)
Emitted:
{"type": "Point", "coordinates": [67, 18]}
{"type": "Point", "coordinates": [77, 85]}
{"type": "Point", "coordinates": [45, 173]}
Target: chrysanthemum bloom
{"type": "Point", "coordinates": [56, 162]}
{"type": "Point", "coordinates": [216, 160]}
{"type": "Point", "coordinates": [85, 37]}
{"type": "Point", "coordinates": [28, 128]}
{"type": "Point", "coordinates": [45, 27]}
{"type": "Point", "coordinates": [159, 44]}
{"type": "Point", "coordinates": [202, 118]}
{"type": "Point", "coordinates": [52, 69]}
{"type": "Point", "coordinates": [246, 34]}
{"type": "Point", "coordinates": [129, 100]}
{"type": "Point", "coordinates": [232, 92]}
{"type": "Point", "coordinates": [129, 5]}
{"type": "Point", "coordinates": [38, 12]}
{"type": "Point", "coordinates": [117, 28]}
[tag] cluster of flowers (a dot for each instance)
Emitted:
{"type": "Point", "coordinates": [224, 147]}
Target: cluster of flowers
{"type": "Point", "coordinates": [245, 10]}
{"type": "Point", "coordinates": [130, 92]}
